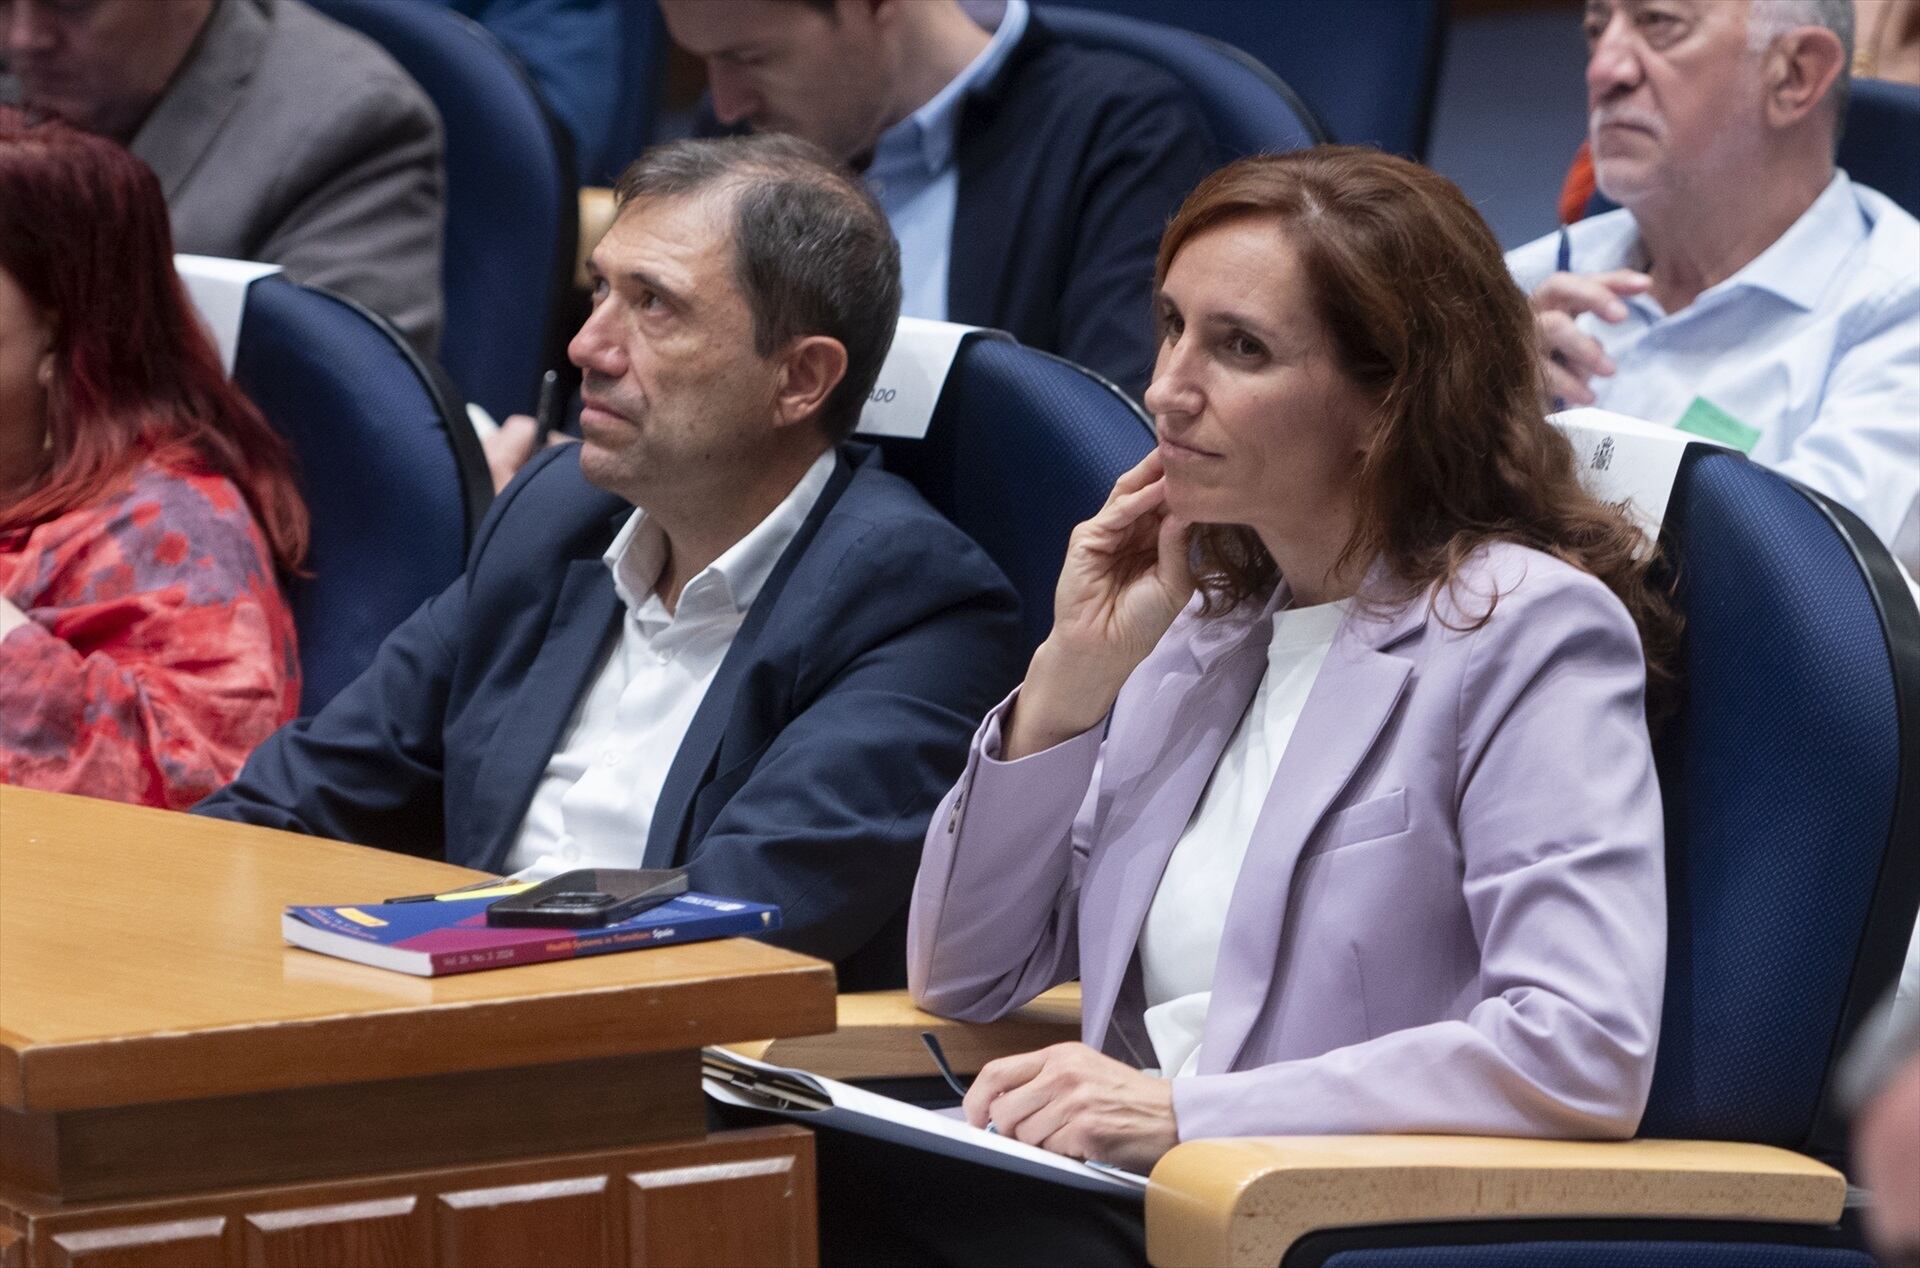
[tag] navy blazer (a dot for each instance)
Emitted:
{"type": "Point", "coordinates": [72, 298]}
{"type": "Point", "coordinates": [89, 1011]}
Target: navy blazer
{"type": "Point", "coordinates": [1072, 160]}
{"type": "Point", "coordinates": [836, 720]}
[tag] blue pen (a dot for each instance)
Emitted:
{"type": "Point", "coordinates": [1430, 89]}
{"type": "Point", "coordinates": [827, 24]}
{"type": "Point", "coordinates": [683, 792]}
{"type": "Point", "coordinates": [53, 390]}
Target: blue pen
{"type": "Point", "coordinates": [1563, 263]}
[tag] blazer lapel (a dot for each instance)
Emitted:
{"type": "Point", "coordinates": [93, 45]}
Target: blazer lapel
{"type": "Point", "coordinates": [586, 614]}
{"type": "Point", "coordinates": [206, 90]}
{"type": "Point", "coordinates": [1346, 709]}
{"type": "Point", "coordinates": [1188, 722]}
{"type": "Point", "coordinates": [693, 762]}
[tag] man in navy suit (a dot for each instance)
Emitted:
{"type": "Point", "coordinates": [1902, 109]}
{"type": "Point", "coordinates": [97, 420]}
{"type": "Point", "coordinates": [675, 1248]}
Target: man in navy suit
{"type": "Point", "coordinates": [1028, 179]}
{"type": "Point", "coordinates": [768, 672]}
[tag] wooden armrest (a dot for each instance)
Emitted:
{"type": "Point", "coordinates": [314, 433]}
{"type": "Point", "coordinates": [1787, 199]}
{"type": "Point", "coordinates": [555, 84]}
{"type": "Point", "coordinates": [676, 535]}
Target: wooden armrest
{"type": "Point", "coordinates": [1245, 1201]}
{"type": "Point", "coordinates": [596, 217]}
{"type": "Point", "coordinates": [878, 1037]}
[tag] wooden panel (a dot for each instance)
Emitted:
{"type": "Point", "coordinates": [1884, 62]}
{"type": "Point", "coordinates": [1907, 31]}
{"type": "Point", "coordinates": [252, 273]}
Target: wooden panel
{"type": "Point", "coordinates": [386, 1233]}
{"type": "Point", "coordinates": [1245, 1201]}
{"type": "Point", "coordinates": [175, 1244]}
{"type": "Point", "coordinates": [567, 1209]}
{"type": "Point", "coordinates": [759, 1211]}
{"type": "Point", "coordinates": [315, 1132]}
{"type": "Point", "coordinates": [562, 1223]}
{"type": "Point", "coordinates": [13, 1248]}
{"type": "Point", "coordinates": [210, 1002]}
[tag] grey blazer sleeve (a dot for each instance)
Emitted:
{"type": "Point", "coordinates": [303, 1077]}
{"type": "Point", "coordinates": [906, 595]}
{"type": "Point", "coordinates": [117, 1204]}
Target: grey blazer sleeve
{"type": "Point", "coordinates": [367, 217]}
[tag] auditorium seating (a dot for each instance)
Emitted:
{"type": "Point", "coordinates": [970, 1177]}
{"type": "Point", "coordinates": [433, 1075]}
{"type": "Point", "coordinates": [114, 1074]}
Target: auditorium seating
{"type": "Point", "coordinates": [1023, 446]}
{"type": "Point", "coordinates": [1790, 775]}
{"type": "Point", "coordinates": [1367, 69]}
{"type": "Point", "coordinates": [387, 460]}
{"type": "Point", "coordinates": [511, 214]}
{"type": "Point", "coordinates": [1247, 107]}
{"type": "Point", "coordinates": [1877, 148]}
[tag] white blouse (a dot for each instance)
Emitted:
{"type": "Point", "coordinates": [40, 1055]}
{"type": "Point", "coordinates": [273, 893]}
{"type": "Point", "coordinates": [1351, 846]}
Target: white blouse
{"type": "Point", "coordinates": [1180, 940]}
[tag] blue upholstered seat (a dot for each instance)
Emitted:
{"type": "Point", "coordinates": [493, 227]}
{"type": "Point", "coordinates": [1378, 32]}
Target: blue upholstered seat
{"type": "Point", "coordinates": [1022, 447]}
{"type": "Point", "coordinates": [1882, 139]}
{"type": "Point", "coordinates": [387, 461]}
{"type": "Point", "coordinates": [512, 206]}
{"type": "Point", "coordinates": [1367, 69]}
{"type": "Point", "coordinates": [1791, 780]}
{"type": "Point", "coordinates": [1247, 107]}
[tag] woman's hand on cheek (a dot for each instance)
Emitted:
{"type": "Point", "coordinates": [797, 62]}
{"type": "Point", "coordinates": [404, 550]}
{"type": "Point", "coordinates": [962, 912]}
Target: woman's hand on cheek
{"type": "Point", "coordinates": [1072, 1100]}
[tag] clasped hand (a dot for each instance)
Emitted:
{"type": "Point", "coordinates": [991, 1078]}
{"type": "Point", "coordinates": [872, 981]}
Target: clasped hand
{"type": "Point", "coordinates": [1572, 358]}
{"type": "Point", "coordinates": [1071, 1100]}
{"type": "Point", "coordinates": [1126, 576]}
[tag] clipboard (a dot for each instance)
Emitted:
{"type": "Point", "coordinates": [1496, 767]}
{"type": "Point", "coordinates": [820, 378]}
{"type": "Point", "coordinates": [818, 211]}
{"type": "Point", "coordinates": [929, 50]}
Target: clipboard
{"type": "Point", "coordinates": [816, 1100]}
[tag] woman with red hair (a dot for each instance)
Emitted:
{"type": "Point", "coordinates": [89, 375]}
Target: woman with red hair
{"type": "Point", "coordinates": [147, 511]}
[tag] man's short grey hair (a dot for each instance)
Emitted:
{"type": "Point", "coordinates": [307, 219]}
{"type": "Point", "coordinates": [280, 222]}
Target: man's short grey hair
{"type": "Point", "coordinates": [1769, 19]}
{"type": "Point", "coordinates": [812, 251]}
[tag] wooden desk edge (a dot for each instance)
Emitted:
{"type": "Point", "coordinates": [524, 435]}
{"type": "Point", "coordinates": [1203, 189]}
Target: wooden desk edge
{"type": "Point", "coordinates": [794, 999]}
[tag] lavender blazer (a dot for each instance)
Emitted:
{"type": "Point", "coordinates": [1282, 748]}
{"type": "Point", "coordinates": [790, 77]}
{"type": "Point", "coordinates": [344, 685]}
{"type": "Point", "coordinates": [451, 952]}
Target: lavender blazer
{"type": "Point", "coordinates": [1452, 913]}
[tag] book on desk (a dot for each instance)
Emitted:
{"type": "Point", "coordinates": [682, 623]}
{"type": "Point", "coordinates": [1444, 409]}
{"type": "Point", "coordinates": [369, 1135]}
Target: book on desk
{"type": "Point", "coordinates": [451, 935]}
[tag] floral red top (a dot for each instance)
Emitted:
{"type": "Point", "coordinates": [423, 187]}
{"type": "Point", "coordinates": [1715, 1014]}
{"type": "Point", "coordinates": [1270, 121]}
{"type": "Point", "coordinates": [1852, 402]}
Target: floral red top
{"type": "Point", "coordinates": [159, 649]}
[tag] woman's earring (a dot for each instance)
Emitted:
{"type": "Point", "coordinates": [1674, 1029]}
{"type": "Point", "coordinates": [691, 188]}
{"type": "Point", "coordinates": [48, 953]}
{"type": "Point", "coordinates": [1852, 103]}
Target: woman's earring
{"type": "Point", "coordinates": [46, 370]}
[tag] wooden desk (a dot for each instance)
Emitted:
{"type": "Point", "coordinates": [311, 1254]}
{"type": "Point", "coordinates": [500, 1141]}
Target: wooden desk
{"type": "Point", "coordinates": [178, 1086]}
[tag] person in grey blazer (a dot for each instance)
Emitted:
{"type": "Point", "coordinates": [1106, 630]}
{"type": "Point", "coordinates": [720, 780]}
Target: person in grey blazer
{"type": "Point", "coordinates": [278, 135]}
{"type": "Point", "coordinates": [1332, 783]}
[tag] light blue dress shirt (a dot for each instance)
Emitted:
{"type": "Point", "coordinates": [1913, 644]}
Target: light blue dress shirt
{"type": "Point", "coordinates": [1815, 343]}
{"type": "Point", "coordinates": [914, 175]}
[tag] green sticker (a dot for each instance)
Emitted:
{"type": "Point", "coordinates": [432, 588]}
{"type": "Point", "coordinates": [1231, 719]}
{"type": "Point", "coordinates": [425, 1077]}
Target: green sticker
{"type": "Point", "coordinates": [1704, 418]}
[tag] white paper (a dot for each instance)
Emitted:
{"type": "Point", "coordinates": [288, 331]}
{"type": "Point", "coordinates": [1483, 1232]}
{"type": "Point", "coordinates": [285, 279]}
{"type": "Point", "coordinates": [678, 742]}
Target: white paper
{"type": "Point", "coordinates": [218, 289]}
{"type": "Point", "coordinates": [883, 1118]}
{"type": "Point", "coordinates": [902, 401]}
{"type": "Point", "coordinates": [1628, 461]}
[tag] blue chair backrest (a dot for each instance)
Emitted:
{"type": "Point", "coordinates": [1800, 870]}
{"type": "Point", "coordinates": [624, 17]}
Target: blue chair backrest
{"type": "Point", "coordinates": [1367, 69]}
{"type": "Point", "coordinates": [512, 206]}
{"type": "Point", "coordinates": [1882, 139]}
{"type": "Point", "coordinates": [1023, 446]}
{"type": "Point", "coordinates": [387, 460]}
{"type": "Point", "coordinates": [1790, 777]}
{"type": "Point", "coordinates": [1247, 108]}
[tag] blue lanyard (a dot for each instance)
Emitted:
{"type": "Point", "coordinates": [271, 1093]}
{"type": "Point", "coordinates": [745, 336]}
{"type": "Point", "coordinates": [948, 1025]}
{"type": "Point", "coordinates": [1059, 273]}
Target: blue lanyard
{"type": "Point", "coordinates": [1563, 263]}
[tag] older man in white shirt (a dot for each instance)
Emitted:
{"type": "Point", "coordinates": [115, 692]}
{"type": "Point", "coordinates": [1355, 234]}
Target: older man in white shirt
{"type": "Point", "coordinates": [1747, 290]}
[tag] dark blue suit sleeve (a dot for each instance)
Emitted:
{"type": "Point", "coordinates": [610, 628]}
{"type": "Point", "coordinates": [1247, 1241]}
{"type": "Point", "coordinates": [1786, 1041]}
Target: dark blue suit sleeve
{"type": "Point", "coordinates": [1149, 153]}
{"type": "Point", "coordinates": [828, 820]}
{"type": "Point", "coordinates": [368, 767]}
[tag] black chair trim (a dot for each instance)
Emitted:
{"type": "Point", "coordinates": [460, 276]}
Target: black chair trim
{"type": "Point", "coordinates": [1313, 1250]}
{"type": "Point", "coordinates": [1890, 921]}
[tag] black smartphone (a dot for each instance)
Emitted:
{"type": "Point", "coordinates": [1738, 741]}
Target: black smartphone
{"type": "Point", "coordinates": [589, 897]}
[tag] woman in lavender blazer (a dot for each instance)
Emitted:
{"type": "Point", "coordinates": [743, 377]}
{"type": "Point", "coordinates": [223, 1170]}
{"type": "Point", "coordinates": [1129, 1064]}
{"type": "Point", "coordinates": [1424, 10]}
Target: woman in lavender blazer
{"type": "Point", "coordinates": [1398, 868]}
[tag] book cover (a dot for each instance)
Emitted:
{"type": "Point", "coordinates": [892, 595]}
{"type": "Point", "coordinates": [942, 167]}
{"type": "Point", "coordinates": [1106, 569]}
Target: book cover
{"type": "Point", "coordinates": [451, 934]}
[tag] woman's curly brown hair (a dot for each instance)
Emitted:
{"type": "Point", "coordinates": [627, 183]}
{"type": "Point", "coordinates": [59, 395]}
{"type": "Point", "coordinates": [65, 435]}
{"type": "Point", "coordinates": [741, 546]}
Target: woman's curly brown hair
{"type": "Point", "coordinates": [1422, 314]}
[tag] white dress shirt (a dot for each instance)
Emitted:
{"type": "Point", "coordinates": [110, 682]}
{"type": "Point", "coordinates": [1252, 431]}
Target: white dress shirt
{"type": "Point", "coordinates": [917, 181]}
{"type": "Point", "coordinates": [1815, 344]}
{"type": "Point", "coordinates": [1180, 940]}
{"type": "Point", "coordinates": [594, 805]}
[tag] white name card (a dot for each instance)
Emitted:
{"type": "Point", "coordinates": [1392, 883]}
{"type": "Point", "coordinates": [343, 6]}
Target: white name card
{"type": "Point", "coordinates": [1627, 461]}
{"type": "Point", "coordinates": [218, 289]}
{"type": "Point", "coordinates": [901, 403]}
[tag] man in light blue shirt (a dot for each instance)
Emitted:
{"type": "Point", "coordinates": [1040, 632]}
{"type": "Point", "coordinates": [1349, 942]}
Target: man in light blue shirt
{"type": "Point", "coordinates": [1027, 177]}
{"type": "Point", "coordinates": [915, 177]}
{"type": "Point", "coordinates": [1747, 290]}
